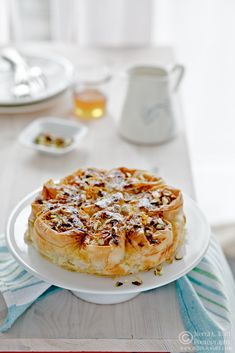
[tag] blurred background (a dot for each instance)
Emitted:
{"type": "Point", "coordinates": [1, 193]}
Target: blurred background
{"type": "Point", "coordinates": [202, 34]}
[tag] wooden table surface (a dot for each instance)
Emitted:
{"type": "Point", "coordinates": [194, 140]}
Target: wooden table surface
{"type": "Point", "coordinates": [149, 322]}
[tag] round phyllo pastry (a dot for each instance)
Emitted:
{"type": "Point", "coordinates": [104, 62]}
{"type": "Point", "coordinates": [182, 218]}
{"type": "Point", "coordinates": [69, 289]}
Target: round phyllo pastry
{"type": "Point", "coordinates": [107, 222]}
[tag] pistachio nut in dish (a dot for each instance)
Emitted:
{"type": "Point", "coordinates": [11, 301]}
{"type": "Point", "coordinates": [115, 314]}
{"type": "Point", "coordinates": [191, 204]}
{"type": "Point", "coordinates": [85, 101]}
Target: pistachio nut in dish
{"type": "Point", "coordinates": [107, 222]}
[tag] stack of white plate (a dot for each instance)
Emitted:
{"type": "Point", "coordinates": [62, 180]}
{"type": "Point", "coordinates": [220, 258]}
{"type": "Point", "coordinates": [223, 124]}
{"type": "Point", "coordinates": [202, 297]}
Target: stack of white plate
{"type": "Point", "coordinates": [58, 71]}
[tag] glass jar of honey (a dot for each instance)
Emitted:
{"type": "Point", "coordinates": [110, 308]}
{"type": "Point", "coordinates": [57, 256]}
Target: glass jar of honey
{"type": "Point", "coordinates": [90, 92]}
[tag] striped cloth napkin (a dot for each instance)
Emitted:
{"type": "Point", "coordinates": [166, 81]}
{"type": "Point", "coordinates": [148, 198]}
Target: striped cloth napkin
{"type": "Point", "coordinates": [207, 303]}
{"type": "Point", "coordinates": [19, 288]}
{"type": "Point", "coordinates": [206, 297]}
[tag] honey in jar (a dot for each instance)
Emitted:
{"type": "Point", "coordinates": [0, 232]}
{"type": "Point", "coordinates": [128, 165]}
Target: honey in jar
{"type": "Point", "coordinates": [89, 103]}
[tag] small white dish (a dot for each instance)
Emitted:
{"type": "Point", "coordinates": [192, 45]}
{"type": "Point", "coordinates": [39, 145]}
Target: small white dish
{"type": "Point", "coordinates": [56, 127]}
{"type": "Point", "coordinates": [98, 289]}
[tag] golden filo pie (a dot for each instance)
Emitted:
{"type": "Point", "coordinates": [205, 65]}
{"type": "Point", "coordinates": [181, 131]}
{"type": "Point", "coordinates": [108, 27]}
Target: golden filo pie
{"type": "Point", "coordinates": [107, 223]}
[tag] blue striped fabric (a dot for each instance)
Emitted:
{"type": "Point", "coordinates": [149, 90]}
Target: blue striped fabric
{"type": "Point", "coordinates": [206, 298]}
{"type": "Point", "coordinates": [19, 288]}
{"type": "Point", "coordinates": [207, 301]}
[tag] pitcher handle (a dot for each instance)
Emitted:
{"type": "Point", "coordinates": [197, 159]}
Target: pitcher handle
{"type": "Point", "coordinates": [179, 70]}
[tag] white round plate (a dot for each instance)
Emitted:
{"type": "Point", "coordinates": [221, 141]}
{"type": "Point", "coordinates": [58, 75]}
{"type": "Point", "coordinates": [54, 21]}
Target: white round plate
{"type": "Point", "coordinates": [57, 69]}
{"type": "Point", "coordinates": [196, 244]}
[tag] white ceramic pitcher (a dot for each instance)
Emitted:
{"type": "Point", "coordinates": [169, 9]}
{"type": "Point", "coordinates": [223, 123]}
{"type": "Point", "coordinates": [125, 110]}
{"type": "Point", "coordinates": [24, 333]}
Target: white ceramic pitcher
{"type": "Point", "coordinates": [148, 115]}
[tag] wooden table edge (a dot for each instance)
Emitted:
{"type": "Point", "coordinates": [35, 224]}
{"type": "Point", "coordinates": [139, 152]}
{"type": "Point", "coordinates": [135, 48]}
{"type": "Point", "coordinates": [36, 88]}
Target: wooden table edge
{"type": "Point", "coordinates": [94, 345]}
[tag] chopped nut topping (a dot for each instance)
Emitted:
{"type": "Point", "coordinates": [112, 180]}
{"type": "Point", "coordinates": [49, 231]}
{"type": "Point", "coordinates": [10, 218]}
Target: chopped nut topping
{"type": "Point", "coordinates": [160, 226]}
{"type": "Point", "coordinates": [137, 282]}
{"type": "Point", "coordinates": [118, 284]}
{"type": "Point", "coordinates": [156, 194]}
{"type": "Point", "coordinates": [158, 271]}
{"type": "Point", "coordinates": [101, 241]}
{"type": "Point", "coordinates": [125, 209]}
{"type": "Point", "coordinates": [178, 256]}
{"type": "Point", "coordinates": [97, 225]}
{"type": "Point", "coordinates": [155, 241]}
{"type": "Point", "coordinates": [160, 221]}
{"type": "Point", "coordinates": [165, 200]}
{"type": "Point", "coordinates": [48, 140]}
{"type": "Point", "coordinates": [167, 193]}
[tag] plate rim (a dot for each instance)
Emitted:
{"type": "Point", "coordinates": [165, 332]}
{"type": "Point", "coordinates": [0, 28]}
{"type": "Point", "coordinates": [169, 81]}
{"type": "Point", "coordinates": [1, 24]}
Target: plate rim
{"type": "Point", "coordinates": [118, 290]}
